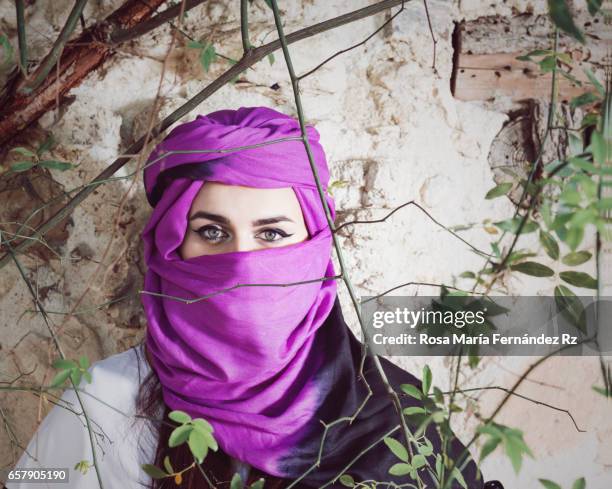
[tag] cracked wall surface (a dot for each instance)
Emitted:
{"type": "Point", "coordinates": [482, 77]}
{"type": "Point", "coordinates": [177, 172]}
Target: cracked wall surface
{"type": "Point", "coordinates": [393, 132]}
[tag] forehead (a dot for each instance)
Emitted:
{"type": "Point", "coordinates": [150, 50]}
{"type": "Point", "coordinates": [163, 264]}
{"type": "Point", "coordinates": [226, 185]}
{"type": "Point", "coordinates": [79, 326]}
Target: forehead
{"type": "Point", "coordinates": [240, 201]}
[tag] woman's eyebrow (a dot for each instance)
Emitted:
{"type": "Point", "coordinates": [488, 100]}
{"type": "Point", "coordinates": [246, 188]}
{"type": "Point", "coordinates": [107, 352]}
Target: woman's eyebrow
{"type": "Point", "coordinates": [224, 220]}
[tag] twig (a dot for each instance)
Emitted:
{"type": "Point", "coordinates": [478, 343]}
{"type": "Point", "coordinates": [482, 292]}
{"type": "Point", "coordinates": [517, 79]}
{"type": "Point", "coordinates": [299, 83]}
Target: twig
{"type": "Point", "coordinates": [121, 35]}
{"type": "Point", "coordinates": [47, 64]}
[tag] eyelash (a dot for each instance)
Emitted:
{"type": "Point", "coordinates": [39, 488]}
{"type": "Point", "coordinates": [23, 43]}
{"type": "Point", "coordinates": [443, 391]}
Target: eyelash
{"type": "Point", "coordinates": [203, 229]}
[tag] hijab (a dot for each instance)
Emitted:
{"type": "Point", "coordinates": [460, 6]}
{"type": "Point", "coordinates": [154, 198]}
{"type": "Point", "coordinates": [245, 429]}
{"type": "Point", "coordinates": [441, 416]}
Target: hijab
{"type": "Point", "coordinates": [267, 365]}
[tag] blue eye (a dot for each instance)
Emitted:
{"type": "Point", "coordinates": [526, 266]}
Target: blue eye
{"type": "Point", "coordinates": [274, 234]}
{"type": "Point", "coordinates": [211, 233]}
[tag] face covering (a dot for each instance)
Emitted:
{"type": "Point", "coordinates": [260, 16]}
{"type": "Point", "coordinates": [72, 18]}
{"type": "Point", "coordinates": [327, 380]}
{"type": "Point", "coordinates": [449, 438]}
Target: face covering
{"type": "Point", "coordinates": [265, 365]}
{"type": "Point", "coordinates": [242, 359]}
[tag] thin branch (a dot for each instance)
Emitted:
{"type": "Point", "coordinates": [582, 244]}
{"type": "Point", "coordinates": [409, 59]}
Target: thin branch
{"type": "Point", "coordinates": [530, 399]}
{"type": "Point", "coordinates": [354, 45]}
{"type": "Point", "coordinates": [412, 202]}
{"type": "Point", "coordinates": [47, 64]}
{"type": "Point", "coordinates": [244, 26]}
{"type": "Point", "coordinates": [21, 36]}
{"type": "Point", "coordinates": [433, 38]}
{"type": "Point", "coordinates": [121, 35]}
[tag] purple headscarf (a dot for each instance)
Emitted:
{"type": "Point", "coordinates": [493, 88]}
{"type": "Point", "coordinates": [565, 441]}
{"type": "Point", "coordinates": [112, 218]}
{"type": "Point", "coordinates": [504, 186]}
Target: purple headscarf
{"type": "Point", "coordinates": [242, 359]}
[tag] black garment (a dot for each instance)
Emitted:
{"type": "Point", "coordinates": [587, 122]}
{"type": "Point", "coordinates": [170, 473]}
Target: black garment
{"type": "Point", "coordinates": [342, 392]}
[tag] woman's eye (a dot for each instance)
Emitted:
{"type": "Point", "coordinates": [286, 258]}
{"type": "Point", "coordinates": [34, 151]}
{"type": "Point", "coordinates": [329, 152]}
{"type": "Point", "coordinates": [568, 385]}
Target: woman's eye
{"type": "Point", "coordinates": [274, 234]}
{"type": "Point", "coordinates": [211, 233]}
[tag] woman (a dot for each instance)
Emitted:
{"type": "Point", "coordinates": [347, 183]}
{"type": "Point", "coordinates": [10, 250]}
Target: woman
{"type": "Point", "coordinates": [267, 366]}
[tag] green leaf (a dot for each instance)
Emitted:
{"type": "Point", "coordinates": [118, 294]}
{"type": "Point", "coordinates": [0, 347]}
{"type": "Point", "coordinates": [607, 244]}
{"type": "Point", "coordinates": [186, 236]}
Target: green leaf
{"type": "Point", "coordinates": [410, 411]}
{"type": "Point", "coordinates": [438, 466]}
{"type": "Point", "coordinates": [426, 449]}
{"type": "Point", "coordinates": [574, 236]}
{"type": "Point", "coordinates": [467, 274]}
{"type": "Point", "coordinates": [489, 446]}
{"type": "Point", "coordinates": [168, 465]}
{"type": "Point", "coordinates": [514, 452]}
{"type": "Point", "coordinates": [599, 148]}
{"type": "Point", "coordinates": [583, 217]}
{"type": "Point", "coordinates": [179, 416]}
{"type": "Point", "coordinates": [426, 385]}
{"type": "Point", "coordinates": [550, 244]}
{"type": "Point", "coordinates": [271, 58]}
{"type": "Point", "coordinates": [575, 143]}
{"type": "Point", "coordinates": [594, 6]}
{"type": "Point", "coordinates": [604, 204]}
{"type": "Point", "coordinates": [236, 482]}
{"type": "Point", "coordinates": [491, 429]}
{"type": "Point", "coordinates": [210, 440]}
{"type": "Point", "coordinates": [570, 307]}
{"type": "Point", "coordinates": [533, 268]}
{"type": "Point", "coordinates": [23, 151]}
{"type": "Point", "coordinates": [499, 190]}
{"type": "Point", "coordinates": [8, 51]}
{"type": "Point", "coordinates": [208, 55]}
{"type": "Point", "coordinates": [64, 363]}
{"type": "Point", "coordinates": [515, 446]}
{"type": "Point", "coordinates": [576, 258]}
{"type": "Point", "coordinates": [198, 445]}
{"type": "Point", "coordinates": [562, 18]}
{"type": "Point", "coordinates": [546, 212]}
{"type": "Point", "coordinates": [60, 378]}
{"type": "Point", "coordinates": [258, 484]}
{"type": "Point", "coordinates": [154, 471]}
{"type": "Point", "coordinates": [549, 484]}
{"type": "Point", "coordinates": [203, 424]}
{"type": "Point", "coordinates": [579, 483]}
{"type": "Point", "coordinates": [583, 99]}
{"type": "Point", "coordinates": [87, 376]}
{"type": "Point", "coordinates": [602, 391]}
{"type": "Point", "coordinates": [438, 396]}
{"type": "Point", "coordinates": [347, 480]}
{"type": "Point", "coordinates": [195, 45]}
{"type": "Point", "coordinates": [418, 461]}
{"type": "Point", "coordinates": [570, 196]}
{"type": "Point", "coordinates": [411, 390]}
{"type": "Point", "coordinates": [22, 165]}
{"type": "Point", "coordinates": [397, 448]}
{"type": "Point", "coordinates": [46, 145]}
{"type": "Point", "coordinates": [179, 435]}
{"type": "Point", "coordinates": [84, 362]}
{"type": "Point", "coordinates": [594, 81]}
{"type": "Point", "coordinates": [400, 469]}
{"type": "Point", "coordinates": [579, 279]}
{"type": "Point", "coordinates": [438, 416]}
{"type": "Point", "coordinates": [459, 476]}
{"type": "Point", "coordinates": [56, 165]}
{"type": "Point", "coordinates": [75, 376]}
{"type": "Point", "coordinates": [536, 52]}
{"type": "Point", "coordinates": [548, 64]}
{"type": "Point", "coordinates": [511, 225]}
{"type": "Point", "coordinates": [567, 75]}
{"type": "Point", "coordinates": [584, 164]}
